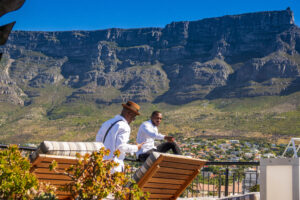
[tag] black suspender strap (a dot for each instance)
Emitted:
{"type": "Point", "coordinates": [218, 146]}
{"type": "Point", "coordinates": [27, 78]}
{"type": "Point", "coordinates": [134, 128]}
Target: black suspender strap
{"type": "Point", "coordinates": [109, 130]}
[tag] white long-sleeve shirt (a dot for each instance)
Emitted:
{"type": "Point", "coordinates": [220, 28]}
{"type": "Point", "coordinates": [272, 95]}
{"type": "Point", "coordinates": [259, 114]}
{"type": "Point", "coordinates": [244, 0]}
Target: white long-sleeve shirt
{"type": "Point", "coordinates": [116, 139]}
{"type": "Point", "coordinates": [147, 133]}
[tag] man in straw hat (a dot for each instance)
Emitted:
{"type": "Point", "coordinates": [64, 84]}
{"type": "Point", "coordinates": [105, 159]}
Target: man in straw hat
{"type": "Point", "coordinates": [114, 134]}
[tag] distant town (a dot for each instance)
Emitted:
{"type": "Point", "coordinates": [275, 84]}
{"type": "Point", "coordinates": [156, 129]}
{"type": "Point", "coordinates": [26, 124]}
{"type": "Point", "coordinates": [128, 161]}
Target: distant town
{"type": "Point", "coordinates": [229, 150]}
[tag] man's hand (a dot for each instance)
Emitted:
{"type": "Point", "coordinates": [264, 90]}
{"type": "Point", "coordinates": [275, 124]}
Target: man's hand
{"type": "Point", "coordinates": [170, 138]}
{"type": "Point", "coordinates": [140, 145]}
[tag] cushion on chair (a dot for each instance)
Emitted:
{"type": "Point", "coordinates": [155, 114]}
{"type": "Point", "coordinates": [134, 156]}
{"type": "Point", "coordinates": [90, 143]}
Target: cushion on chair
{"type": "Point", "coordinates": [146, 165]}
{"type": "Point", "coordinates": [66, 148]}
{"type": "Point", "coordinates": [149, 162]}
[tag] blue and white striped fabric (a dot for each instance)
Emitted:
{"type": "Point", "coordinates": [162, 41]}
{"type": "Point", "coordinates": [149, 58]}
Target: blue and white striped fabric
{"type": "Point", "coordinates": [146, 165]}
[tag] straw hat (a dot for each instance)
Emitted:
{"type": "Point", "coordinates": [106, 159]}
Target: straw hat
{"type": "Point", "coordinates": [130, 105]}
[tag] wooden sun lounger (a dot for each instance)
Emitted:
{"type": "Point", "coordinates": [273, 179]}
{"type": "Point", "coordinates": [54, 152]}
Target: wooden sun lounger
{"type": "Point", "coordinates": [164, 176]}
{"type": "Point", "coordinates": [169, 176]}
{"type": "Point", "coordinates": [40, 167]}
{"type": "Point", "coordinates": [64, 154]}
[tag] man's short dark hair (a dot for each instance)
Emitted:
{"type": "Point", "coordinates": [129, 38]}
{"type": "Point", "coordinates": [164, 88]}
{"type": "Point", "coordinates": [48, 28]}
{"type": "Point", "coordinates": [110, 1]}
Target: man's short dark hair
{"type": "Point", "coordinates": [154, 113]}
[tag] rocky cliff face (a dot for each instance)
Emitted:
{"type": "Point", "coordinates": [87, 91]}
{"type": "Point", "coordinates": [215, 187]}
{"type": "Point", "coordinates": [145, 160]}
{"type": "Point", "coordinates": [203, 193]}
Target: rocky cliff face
{"type": "Point", "coordinates": [231, 56]}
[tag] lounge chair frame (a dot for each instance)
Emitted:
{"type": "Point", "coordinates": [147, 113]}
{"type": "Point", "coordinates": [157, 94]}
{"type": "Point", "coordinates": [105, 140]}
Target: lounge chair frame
{"type": "Point", "coordinates": [169, 176]}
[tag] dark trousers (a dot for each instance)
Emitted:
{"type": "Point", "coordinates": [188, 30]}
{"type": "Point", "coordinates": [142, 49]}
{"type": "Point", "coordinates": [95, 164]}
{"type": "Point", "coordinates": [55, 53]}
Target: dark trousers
{"type": "Point", "coordinates": [162, 148]}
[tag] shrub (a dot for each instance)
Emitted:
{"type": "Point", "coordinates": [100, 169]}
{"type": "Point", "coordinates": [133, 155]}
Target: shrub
{"type": "Point", "coordinates": [254, 188]}
{"type": "Point", "coordinates": [16, 181]}
{"type": "Point", "coordinates": [93, 178]}
{"type": "Point", "coordinates": [45, 196]}
{"type": "Point", "coordinates": [46, 192]}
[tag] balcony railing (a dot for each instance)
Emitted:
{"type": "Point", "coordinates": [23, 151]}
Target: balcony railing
{"type": "Point", "coordinates": [216, 179]}
{"type": "Point", "coordinates": [226, 178]}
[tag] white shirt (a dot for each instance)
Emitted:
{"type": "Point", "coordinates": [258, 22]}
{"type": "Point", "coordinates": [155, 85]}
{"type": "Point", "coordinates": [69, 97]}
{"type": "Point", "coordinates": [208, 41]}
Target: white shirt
{"type": "Point", "coordinates": [147, 133]}
{"type": "Point", "coordinates": [117, 138]}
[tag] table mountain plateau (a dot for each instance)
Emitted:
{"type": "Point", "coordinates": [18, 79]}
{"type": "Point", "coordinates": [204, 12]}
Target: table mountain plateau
{"type": "Point", "coordinates": [245, 55]}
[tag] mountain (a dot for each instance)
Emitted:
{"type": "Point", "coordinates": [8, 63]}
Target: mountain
{"type": "Point", "coordinates": [247, 55]}
{"type": "Point", "coordinates": [236, 76]}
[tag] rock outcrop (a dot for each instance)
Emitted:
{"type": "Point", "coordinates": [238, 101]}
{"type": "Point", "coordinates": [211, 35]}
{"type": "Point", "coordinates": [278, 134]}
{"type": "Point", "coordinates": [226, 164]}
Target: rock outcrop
{"type": "Point", "coordinates": [232, 56]}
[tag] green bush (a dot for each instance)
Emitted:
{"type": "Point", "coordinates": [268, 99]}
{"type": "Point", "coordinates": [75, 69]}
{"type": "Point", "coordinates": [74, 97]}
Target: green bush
{"type": "Point", "coordinates": [254, 188]}
{"type": "Point", "coordinates": [93, 178]}
{"type": "Point", "coordinates": [45, 196]}
{"type": "Point", "coordinates": [16, 181]}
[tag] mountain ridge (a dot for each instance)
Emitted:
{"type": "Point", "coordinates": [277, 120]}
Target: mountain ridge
{"type": "Point", "coordinates": [251, 54]}
{"type": "Point", "coordinates": [226, 76]}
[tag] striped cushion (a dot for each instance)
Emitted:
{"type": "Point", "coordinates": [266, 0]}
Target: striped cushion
{"type": "Point", "coordinates": [146, 165]}
{"type": "Point", "coordinates": [66, 148]}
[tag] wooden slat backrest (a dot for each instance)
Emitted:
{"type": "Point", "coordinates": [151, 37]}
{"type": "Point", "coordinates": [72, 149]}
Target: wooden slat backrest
{"type": "Point", "coordinates": [169, 176]}
{"type": "Point", "coordinates": [40, 167]}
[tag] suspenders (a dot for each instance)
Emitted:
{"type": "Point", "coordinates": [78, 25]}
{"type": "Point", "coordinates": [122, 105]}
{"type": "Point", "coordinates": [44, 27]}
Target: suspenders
{"type": "Point", "coordinates": [109, 129]}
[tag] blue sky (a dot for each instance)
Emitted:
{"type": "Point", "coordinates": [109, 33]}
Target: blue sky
{"type": "Point", "coordinates": [61, 15]}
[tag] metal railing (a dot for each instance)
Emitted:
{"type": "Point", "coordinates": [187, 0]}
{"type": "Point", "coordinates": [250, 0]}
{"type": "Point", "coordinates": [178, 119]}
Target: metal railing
{"type": "Point", "coordinates": [216, 179]}
{"type": "Point", "coordinates": [227, 178]}
{"type": "Point", "coordinates": [4, 146]}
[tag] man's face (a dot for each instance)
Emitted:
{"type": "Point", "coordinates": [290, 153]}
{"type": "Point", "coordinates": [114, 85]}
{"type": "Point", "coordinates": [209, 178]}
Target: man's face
{"type": "Point", "coordinates": [131, 117]}
{"type": "Point", "coordinates": [156, 119]}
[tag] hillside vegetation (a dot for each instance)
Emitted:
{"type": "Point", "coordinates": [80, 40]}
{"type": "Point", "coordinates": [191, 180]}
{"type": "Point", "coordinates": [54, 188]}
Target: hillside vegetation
{"type": "Point", "coordinates": [229, 76]}
{"type": "Point", "coordinates": [51, 118]}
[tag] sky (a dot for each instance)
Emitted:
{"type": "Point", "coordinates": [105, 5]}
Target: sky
{"type": "Point", "coordinates": [65, 15]}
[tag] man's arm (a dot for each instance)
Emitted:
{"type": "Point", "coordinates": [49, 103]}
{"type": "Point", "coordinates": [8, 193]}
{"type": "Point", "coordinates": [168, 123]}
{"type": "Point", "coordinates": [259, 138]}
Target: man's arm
{"type": "Point", "coordinates": [122, 142]}
{"type": "Point", "coordinates": [169, 138]}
